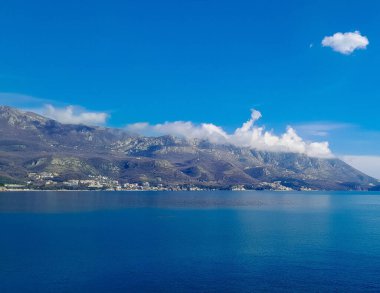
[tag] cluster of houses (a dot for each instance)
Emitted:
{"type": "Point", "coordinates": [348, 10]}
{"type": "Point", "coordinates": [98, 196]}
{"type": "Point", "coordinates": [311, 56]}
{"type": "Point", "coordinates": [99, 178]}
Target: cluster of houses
{"type": "Point", "coordinates": [52, 181]}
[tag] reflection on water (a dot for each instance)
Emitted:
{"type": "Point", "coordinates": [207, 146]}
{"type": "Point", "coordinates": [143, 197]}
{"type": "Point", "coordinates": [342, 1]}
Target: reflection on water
{"type": "Point", "coordinates": [91, 201]}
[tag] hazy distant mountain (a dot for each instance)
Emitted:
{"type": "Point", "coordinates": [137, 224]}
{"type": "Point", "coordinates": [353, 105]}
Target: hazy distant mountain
{"type": "Point", "coordinates": [30, 143]}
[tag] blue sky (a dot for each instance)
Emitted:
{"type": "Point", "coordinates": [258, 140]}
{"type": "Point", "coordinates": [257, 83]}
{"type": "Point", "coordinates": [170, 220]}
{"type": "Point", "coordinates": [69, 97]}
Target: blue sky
{"type": "Point", "coordinates": [199, 61]}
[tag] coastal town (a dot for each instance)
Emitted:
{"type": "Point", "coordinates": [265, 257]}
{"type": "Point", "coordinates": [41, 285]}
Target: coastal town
{"type": "Point", "coordinates": [53, 181]}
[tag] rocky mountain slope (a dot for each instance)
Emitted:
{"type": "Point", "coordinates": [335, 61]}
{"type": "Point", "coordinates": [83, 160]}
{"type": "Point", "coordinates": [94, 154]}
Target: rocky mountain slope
{"type": "Point", "coordinates": [30, 143]}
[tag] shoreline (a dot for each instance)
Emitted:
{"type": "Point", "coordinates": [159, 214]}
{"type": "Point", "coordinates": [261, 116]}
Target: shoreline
{"type": "Point", "coordinates": [210, 190]}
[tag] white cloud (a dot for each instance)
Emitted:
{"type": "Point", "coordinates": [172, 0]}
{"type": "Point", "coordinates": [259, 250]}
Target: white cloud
{"type": "Point", "coordinates": [73, 115]}
{"type": "Point", "coordinates": [61, 113]}
{"type": "Point", "coordinates": [367, 164]}
{"type": "Point", "coordinates": [346, 43]}
{"type": "Point", "coordinates": [188, 130]}
{"type": "Point", "coordinates": [248, 135]}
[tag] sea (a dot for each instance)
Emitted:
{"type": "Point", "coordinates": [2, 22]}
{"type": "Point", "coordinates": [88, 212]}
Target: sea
{"type": "Point", "coordinates": [202, 241]}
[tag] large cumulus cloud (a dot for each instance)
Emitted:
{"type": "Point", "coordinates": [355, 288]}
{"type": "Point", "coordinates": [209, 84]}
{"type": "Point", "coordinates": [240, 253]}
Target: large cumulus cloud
{"type": "Point", "coordinates": [248, 135]}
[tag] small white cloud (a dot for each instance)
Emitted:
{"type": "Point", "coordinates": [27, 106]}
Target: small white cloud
{"type": "Point", "coordinates": [73, 115]}
{"type": "Point", "coordinates": [367, 164]}
{"type": "Point", "coordinates": [248, 135]}
{"type": "Point", "coordinates": [346, 43]}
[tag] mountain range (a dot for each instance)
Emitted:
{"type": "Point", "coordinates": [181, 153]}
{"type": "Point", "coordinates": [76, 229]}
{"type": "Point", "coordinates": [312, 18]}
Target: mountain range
{"type": "Point", "coordinates": [31, 143]}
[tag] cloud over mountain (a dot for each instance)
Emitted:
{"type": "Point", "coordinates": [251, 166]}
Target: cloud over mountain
{"type": "Point", "coordinates": [248, 135]}
{"type": "Point", "coordinates": [346, 43]}
{"type": "Point", "coordinates": [74, 115]}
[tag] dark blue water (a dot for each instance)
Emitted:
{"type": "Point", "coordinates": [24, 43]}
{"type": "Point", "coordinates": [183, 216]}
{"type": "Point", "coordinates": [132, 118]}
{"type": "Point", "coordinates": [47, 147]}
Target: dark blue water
{"type": "Point", "coordinates": [189, 241]}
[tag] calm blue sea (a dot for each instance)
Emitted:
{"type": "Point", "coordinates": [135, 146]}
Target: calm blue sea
{"type": "Point", "coordinates": [217, 241]}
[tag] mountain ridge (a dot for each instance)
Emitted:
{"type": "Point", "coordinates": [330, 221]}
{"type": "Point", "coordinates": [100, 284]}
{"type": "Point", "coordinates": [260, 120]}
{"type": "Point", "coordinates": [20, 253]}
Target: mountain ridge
{"type": "Point", "coordinates": [32, 144]}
